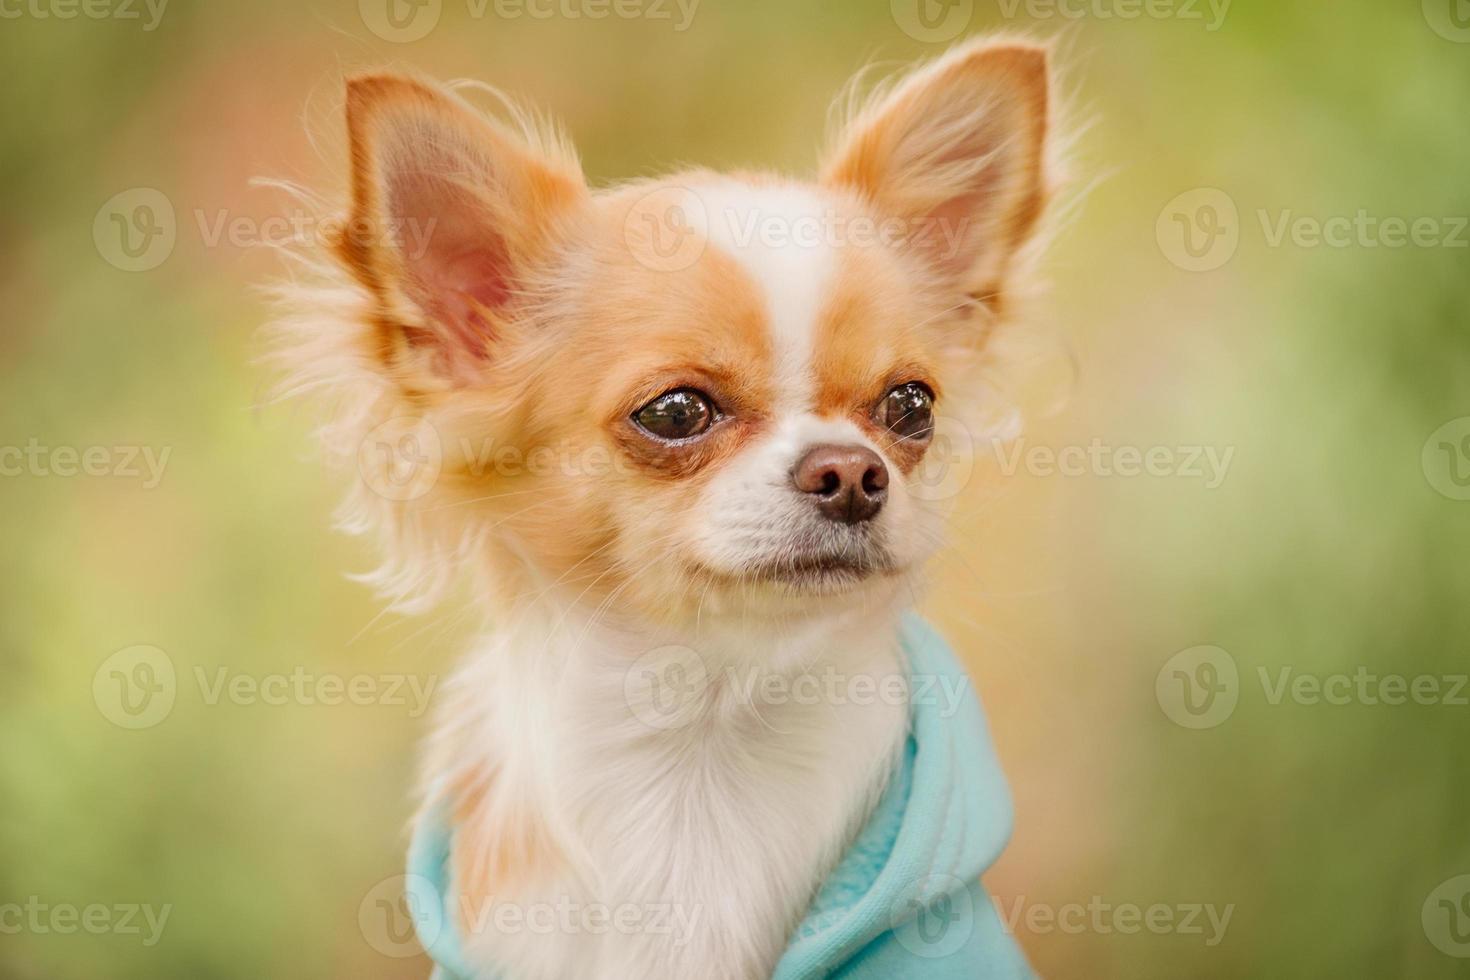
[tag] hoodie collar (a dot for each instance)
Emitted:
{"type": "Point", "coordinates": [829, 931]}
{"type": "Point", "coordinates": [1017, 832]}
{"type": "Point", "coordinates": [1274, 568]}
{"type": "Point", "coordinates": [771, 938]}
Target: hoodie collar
{"type": "Point", "coordinates": [943, 820]}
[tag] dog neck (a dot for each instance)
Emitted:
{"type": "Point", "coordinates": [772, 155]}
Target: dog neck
{"type": "Point", "coordinates": [718, 771]}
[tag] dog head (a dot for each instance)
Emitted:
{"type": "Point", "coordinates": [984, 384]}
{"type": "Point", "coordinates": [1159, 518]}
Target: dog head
{"type": "Point", "coordinates": [671, 397]}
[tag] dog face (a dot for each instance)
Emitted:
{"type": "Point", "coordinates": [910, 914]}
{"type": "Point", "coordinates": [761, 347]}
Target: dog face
{"type": "Point", "coordinates": [677, 396]}
{"type": "Point", "coordinates": [768, 427]}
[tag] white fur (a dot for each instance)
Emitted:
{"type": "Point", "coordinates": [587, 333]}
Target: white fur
{"type": "Point", "coordinates": [781, 236]}
{"type": "Point", "coordinates": [786, 238]}
{"type": "Point", "coordinates": [726, 821]}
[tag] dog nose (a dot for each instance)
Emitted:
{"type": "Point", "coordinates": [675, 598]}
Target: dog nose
{"type": "Point", "coordinates": [848, 483]}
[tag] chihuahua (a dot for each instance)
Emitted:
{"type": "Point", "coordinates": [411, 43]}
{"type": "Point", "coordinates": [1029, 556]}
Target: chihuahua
{"type": "Point", "coordinates": [669, 436]}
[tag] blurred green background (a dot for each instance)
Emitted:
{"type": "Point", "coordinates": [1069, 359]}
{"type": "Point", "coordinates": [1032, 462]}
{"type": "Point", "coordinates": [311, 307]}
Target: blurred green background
{"type": "Point", "coordinates": [1334, 544]}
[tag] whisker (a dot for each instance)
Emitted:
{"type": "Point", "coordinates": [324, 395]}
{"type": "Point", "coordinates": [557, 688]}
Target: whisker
{"type": "Point", "coordinates": [477, 500]}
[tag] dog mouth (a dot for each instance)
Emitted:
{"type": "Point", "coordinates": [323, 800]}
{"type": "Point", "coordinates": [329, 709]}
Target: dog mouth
{"type": "Point", "coordinates": [809, 562]}
{"type": "Point", "coordinates": [819, 573]}
{"type": "Point", "coordinates": [807, 567]}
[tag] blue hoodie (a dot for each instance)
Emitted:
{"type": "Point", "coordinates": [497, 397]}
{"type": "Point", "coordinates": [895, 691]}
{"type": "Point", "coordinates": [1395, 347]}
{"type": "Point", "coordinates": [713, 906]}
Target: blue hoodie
{"type": "Point", "coordinates": [905, 901]}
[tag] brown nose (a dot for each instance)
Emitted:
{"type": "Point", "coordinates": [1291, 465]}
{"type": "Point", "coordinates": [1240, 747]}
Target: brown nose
{"type": "Point", "coordinates": [848, 483]}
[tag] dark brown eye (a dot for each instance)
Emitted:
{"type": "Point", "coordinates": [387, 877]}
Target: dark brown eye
{"type": "Point", "coordinates": [680, 414]}
{"type": "Point", "coordinates": [908, 411]}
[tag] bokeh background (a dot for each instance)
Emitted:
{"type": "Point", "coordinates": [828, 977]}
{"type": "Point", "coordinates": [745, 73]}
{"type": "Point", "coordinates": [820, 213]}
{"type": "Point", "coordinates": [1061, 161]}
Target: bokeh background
{"type": "Point", "coordinates": [1147, 771]}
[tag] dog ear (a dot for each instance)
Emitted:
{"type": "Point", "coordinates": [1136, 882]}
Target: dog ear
{"type": "Point", "coordinates": [449, 212]}
{"type": "Point", "coordinates": [956, 152]}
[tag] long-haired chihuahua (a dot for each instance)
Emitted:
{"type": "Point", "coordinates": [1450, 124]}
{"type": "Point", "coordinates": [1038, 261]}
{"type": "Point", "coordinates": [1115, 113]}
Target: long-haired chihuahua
{"type": "Point", "coordinates": [669, 434]}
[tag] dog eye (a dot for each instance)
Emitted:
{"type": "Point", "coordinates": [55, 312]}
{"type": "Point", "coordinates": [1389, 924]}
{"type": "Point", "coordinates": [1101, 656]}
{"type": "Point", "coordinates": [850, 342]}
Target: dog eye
{"type": "Point", "coordinates": [680, 414]}
{"type": "Point", "coordinates": [908, 411]}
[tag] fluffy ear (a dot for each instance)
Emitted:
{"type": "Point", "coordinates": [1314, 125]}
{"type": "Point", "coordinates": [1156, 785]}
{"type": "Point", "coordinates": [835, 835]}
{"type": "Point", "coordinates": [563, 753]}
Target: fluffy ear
{"type": "Point", "coordinates": [956, 152]}
{"type": "Point", "coordinates": [450, 211]}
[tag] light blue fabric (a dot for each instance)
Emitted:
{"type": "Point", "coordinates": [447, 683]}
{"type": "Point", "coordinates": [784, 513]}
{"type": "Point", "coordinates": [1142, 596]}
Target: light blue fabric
{"type": "Point", "coordinates": [906, 900]}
